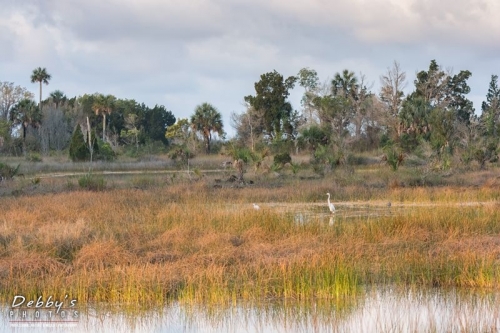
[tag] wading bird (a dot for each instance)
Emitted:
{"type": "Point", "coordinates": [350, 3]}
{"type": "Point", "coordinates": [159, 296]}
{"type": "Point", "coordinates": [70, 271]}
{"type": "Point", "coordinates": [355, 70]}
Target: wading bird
{"type": "Point", "coordinates": [330, 205]}
{"type": "Point", "coordinates": [256, 207]}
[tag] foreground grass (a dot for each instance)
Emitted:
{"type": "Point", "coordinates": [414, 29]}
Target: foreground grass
{"type": "Point", "coordinates": [198, 244]}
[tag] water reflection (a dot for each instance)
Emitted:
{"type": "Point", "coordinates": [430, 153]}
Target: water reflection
{"type": "Point", "coordinates": [301, 213]}
{"type": "Point", "coordinates": [302, 218]}
{"type": "Point", "coordinates": [378, 310]}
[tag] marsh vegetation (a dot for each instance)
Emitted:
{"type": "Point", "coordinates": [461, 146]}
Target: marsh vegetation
{"type": "Point", "coordinates": [190, 242]}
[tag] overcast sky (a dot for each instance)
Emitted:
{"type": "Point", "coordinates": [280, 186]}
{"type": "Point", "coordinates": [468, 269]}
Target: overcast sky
{"type": "Point", "coordinates": [181, 53]}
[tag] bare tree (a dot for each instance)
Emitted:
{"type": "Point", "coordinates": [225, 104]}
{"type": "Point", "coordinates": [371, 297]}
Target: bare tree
{"type": "Point", "coordinates": [391, 95]}
{"type": "Point", "coordinates": [54, 130]}
{"type": "Point", "coordinates": [249, 126]}
{"type": "Point", "coordinates": [362, 103]}
{"type": "Point", "coordinates": [308, 78]}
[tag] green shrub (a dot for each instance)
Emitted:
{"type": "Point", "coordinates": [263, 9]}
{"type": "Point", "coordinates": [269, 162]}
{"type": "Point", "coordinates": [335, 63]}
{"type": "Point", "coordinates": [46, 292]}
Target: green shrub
{"type": "Point", "coordinates": [104, 151]}
{"type": "Point", "coordinates": [295, 168]}
{"type": "Point", "coordinates": [394, 157]}
{"type": "Point", "coordinates": [181, 153]}
{"type": "Point", "coordinates": [244, 154]}
{"type": "Point", "coordinates": [282, 159]}
{"type": "Point", "coordinates": [153, 147]}
{"type": "Point", "coordinates": [34, 157]}
{"type": "Point", "coordinates": [7, 172]}
{"type": "Point", "coordinates": [92, 182]}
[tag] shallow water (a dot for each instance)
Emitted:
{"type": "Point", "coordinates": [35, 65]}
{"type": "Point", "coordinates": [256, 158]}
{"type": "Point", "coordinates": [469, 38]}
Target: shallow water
{"type": "Point", "coordinates": [377, 310]}
{"type": "Point", "coordinates": [306, 212]}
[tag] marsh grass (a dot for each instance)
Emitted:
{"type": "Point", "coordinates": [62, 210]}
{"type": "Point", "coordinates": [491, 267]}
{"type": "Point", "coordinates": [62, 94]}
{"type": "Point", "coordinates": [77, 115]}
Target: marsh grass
{"type": "Point", "coordinates": [62, 163]}
{"type": "Point", "coordinates": [196, 244]}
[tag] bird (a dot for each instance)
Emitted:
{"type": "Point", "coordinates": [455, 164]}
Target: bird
{"type": "Point", "coordinates": [389, 204]}
{"type": "Point", "coordinates": [330, 205]}
{"type": "Point", "coordinates": [256, 207]}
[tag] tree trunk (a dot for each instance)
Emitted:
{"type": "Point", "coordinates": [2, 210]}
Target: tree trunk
{"type": "Point", "coordinates": [24, 138]}
{"type": "Point", "coordinates": [103, 126]}
{"type": "Point", "coordinates": [207, 145]}
{"type": "Point", "coordinates": [40, 104]}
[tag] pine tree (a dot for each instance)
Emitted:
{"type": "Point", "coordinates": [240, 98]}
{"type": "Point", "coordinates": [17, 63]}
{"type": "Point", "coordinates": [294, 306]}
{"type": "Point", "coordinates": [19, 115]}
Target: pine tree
{"type": "Point", "coordinates": [78, 150]}
{"type": "Point", "coordinates": [491, 108]}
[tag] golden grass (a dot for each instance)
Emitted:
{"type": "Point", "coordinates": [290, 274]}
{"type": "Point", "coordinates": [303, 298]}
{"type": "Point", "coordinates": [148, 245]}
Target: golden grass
{"type": "Point", "coordinates": [199, 244]}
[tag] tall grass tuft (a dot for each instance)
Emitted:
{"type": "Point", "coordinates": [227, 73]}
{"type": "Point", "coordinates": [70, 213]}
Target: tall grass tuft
{"type": "Point", "coordinates": [92, 182]}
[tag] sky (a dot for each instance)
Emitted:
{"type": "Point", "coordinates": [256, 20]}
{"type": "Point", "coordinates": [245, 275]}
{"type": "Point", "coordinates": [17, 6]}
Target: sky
{"type": "Point", "coordinates": [181, 53]}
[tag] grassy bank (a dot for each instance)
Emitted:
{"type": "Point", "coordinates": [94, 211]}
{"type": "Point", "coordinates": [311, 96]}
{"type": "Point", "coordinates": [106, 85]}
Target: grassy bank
{"type": "Point", "coordinates": [196, 243]}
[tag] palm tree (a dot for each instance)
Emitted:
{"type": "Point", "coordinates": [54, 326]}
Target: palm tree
{"type": "Point", "coordinates": [26, 113]}
{"type": "Point", "coordinates": [206, 119]}
{"type": "Point", "coordinates": [103, 105]}
{"type": "Point", "coordinates": [57, 97]}
{"type": "Point", "coordinates": [40, 75]}
{"type": "Point", "coordinates": [345, 84]}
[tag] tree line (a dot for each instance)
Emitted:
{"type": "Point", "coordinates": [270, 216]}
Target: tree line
{"type": "Point", "coordinates": [337, 118]}
{"type": "Point", "coordinates": [57, 122]}
{"type": "Point", "coordinates": [343, 116]}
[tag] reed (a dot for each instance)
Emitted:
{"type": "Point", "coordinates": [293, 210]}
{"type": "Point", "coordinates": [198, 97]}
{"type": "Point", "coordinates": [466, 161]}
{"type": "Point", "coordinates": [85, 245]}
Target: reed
{"type": "Point", "coordinates": [198, 245]}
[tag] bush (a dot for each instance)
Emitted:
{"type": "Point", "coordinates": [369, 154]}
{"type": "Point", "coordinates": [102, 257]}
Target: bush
{"type": "Point", "coordinates": [277, 146]}
{"type": "Point", "coordinates": [327, 156]}
{"type": "Point", "coordinates": [154, 147]}
{"type": "Point", "coordinates": [34, 157]}
{"type": "Point", "coordinates": [244, 154]}
{"type": "Point", "coordinates": [7, 172]}
{"type": "Point", "coordinates": [32, 142]}
{"type": "Point", "coordinates": [14, 147]}
{"type": "Point", "coordinates": [104, 151]}
{"type": "Point", "coordinates": [92, 182]}
{"type": "Point", "coordinates": [181, 154]}
{"type": "Point", "coordinates": [394, 157]}
{"type": "Point", "coordinates": [282, 159]}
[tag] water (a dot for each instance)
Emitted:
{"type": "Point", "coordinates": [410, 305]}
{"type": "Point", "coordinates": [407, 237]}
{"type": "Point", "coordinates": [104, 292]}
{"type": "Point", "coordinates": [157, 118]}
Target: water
{"type": "Point", "coordinates": [377, 310]}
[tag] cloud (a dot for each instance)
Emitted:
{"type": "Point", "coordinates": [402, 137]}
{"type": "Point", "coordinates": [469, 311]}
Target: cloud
{"type": "Point", "coordinates": [397, 21]}
{"type": "Point", "coordinates": [182, 53]}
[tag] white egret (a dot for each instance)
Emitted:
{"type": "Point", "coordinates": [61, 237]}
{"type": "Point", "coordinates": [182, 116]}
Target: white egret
{"type": "Point", "coordinates": [330, 205]}
{"type": "Point", "coordinates": [256, 207]}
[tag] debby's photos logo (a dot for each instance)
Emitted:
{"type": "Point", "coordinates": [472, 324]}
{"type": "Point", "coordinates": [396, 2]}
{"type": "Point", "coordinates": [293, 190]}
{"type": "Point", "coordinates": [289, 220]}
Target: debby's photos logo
{"type": "Point", "coordinates": [40, 312]}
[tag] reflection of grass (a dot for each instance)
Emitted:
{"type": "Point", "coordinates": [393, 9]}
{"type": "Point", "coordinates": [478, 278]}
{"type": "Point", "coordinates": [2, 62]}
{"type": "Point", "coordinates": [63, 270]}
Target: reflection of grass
{"type": "Point", "coordinates": [381, 309]}
{"type": "Point", "coordinates": [197, 244]}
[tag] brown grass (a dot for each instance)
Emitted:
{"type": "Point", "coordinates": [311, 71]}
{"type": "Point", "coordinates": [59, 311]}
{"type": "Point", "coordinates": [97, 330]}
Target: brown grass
{"type": "Point", "coordinates": [197, 243]}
